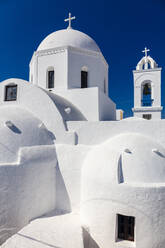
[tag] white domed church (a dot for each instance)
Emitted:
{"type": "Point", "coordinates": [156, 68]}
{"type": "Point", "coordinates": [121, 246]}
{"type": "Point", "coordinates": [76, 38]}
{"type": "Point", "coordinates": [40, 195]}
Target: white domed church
{"type": "Point", "coordinates": [73, 172]}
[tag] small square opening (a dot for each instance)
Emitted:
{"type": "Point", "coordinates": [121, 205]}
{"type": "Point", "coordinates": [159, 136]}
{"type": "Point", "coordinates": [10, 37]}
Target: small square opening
{"type": "Point", "coordinates": [11, 93]}
{"type": "Point", "coordinates": [147, 116]}
{"type": "Point", "coordinates": [126, 227]}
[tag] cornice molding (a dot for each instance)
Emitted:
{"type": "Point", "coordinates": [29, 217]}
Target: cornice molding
{"type": "Point", "coordinates": [147, 109]}
{"type": "Point", "coordinates": [64, 48]}
{"type": "Point", "coordinates": [50, 51]}
{"type": "Point", "coordinates": [148, 70]}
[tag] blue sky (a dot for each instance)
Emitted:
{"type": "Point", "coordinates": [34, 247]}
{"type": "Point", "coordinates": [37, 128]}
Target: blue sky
{"type": "Point", "coordinates": [121, 29]}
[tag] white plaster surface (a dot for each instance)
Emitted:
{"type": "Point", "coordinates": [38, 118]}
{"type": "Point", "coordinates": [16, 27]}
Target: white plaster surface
{"type": "Point", "coordinates": [93, 133]}
{"type": "Point", "coordinates": [94, 110]}
{"type": "Point", "coordinates": [107, 108]}
{"type": "Point", "coordinates": [70, 161]}
{"type": "Point", "coordinates": [62, 231]}
{"type": "Point", "coordinates": [27, 188]}
{"type": "Point", "coordinates": [68, 37]}
{"type": "Point", "coordinates": [25, 148]}
{"type": "Point", "coordinates": [115, 181]}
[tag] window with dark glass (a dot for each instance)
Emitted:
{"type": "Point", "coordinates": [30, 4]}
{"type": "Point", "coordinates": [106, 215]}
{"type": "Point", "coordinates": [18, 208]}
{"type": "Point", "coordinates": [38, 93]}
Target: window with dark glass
{"type": "Point", "coordinates": [147, 116]}
{"type": "Point", "coordinates": [146, 95]}
{"type": "Point", "coordinates": [126, 226]}
{"type": "Point", "coordinates": [84, 79]}
{"type": "Point", "coordinates": [11, 93]}
{"type": "Point", "coordinates": [51, 79]}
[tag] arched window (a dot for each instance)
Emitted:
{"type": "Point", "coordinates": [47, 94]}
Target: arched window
{"type": "Point", "coordinates": [84, 77]}
{"type": "Point", "coordinates": [146, 94]}
{"type": "Point", "coordinates": [50, 78]}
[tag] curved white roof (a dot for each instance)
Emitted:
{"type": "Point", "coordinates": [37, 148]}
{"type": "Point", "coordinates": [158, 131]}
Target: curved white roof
{"type": "Point", "coordinates": [19, 128]}
{"type": "Point", "coordinates": [68, 37]}
{"type": "Point", "coordinates": [66, 109]}
{"type": "Point", "coordinates": [126, 158]}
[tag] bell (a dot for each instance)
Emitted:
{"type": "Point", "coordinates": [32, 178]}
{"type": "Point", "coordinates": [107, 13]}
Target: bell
{"type": "Point", "coordinates": [147, 89]}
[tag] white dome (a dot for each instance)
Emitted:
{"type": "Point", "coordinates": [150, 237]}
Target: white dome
{"type": "Point", "coordinates": [19, 128]}
{"type": "Point", "coordinates": [126, 158]}
{"type": "Point", "coordinates": [68, 37]}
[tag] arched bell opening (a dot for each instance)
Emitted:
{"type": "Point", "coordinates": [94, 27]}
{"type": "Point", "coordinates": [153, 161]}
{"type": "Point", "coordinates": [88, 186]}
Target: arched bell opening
{"type": "Point", "coordinates": [146, 90]}
{"type": "Point", "coordinates": [146, 65]}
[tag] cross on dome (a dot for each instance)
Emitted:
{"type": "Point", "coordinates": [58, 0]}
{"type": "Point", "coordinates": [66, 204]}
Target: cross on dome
{"type": "Point", "coordinates": [69, 19]}
{"type": "Point", "coordinates": [145, 51]}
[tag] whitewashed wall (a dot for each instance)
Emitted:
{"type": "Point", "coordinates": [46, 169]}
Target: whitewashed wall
{"type": "Point", "coordinates": [133, 184]}
{"type": "Point", "coordinates": [27, 188]}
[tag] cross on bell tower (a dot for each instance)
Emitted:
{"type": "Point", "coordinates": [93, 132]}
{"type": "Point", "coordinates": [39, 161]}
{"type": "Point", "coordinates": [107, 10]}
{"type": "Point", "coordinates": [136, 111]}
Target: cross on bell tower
{"type": "Point", "coordinates": [145, 51]}
{"type": "Point", "coordinates": [146, 57]}
{"type": "Point", "coordinates": [69, 19]}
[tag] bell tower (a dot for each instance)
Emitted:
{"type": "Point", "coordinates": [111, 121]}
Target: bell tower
{"type": "Point", "coordinates": [147, 89]}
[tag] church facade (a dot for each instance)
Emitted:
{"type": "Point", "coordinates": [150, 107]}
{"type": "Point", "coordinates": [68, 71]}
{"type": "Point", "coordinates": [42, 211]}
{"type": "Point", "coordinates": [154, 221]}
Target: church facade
{"type": "Point", "coordinates": [71, 174]}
